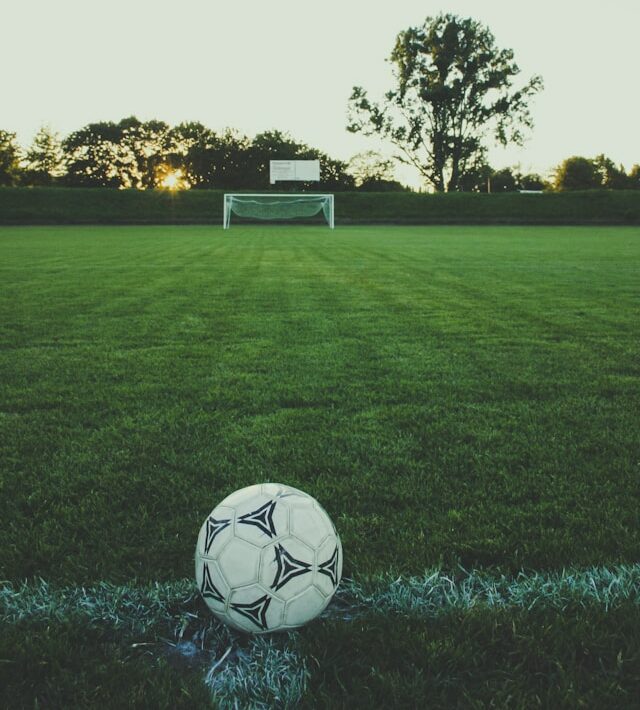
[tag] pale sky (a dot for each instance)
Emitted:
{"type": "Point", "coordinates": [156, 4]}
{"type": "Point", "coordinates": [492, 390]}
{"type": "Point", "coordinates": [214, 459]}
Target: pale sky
{"type": "Point", "coordinates": [257, 65]}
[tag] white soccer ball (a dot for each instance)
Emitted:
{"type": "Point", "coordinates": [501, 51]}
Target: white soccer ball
{"type": "Point", "coordinates": [268, 558]}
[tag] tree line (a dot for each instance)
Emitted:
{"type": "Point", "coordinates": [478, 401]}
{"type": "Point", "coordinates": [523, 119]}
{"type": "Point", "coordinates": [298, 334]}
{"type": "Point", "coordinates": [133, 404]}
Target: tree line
{"type": "Point", "coordinates": [574, 173]}
{"type": "Point", "coordinates": [152, 154]}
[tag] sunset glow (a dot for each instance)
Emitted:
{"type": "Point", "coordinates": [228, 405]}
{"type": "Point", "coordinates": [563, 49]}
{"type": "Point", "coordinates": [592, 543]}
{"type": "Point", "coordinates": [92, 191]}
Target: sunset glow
{"type": "Point", "coordinates": [175, 180]}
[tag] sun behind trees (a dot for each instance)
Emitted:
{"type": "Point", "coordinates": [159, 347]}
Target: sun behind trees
{"type": "Point", "coordinates": [152, 154]}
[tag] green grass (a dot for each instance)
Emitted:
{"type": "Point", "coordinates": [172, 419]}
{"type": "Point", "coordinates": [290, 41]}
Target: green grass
{"type": "Point", "coordinates": [452, 395]}
{"type": "Point", "coordinates": [480, 659]}
{"type": "Point", "coordinates": [67, 205]}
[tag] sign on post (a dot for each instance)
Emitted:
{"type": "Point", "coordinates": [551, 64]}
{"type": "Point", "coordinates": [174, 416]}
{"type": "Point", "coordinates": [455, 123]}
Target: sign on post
{"type": "Point", "coordinates": [301, 170]}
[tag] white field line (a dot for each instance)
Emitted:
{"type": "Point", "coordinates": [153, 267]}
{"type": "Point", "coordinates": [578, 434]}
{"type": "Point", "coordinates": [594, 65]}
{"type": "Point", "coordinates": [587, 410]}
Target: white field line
{"type": "Point", "coordinates": [436, 593]}
{"type": "Point", "coordinates": [132, 608]}
{"type": "Point", "coordinates": [141, 607]}
{"type": "Point", "coordinates": [265, 675]}
{"type": "Point", "coordinates": [259, 672]}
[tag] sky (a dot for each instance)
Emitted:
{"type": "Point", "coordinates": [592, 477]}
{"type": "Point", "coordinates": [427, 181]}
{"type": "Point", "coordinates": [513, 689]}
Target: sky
{"type": "Point", "coordinates": [258, 65]}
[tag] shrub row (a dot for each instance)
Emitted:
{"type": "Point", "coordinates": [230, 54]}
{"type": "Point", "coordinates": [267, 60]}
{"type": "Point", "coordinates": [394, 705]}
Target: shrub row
{"type": "Point", "coordinates": [105, 206]}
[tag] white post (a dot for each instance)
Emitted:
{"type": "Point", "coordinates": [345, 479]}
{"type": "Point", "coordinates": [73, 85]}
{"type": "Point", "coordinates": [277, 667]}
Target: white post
{"type": "Point", "coordinates": [224, 214]}
{"type": "Point", "coordinates": [332, 222]}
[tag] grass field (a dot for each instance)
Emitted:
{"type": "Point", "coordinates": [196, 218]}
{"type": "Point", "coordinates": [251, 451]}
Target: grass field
{"type": "Point", "coordinates": [461, 399]}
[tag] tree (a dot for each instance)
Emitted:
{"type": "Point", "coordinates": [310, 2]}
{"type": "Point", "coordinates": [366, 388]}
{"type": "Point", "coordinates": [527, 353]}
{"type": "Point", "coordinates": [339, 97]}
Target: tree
{"type": "Point", "coordinates": [370, 165]}
{"type": "Point", "coordinates": [231, 161]}
{"type": "Point", "coordinates": [9, 159]}
{"type": "Point", "coordinates": [145, 152]}
{"type": "Point", "coordinates": [576, 173]}
{"type": "Point", "coordinates": [44, 161]}
{"type": "Point", "coordinates": [611, 177]}
{"type": "Point", "coordinates": [504, 180]}
{"type": "Point", "coordinates": [333, 175]}
{"type": "Point", "coordinates": [476, 179]}
{"type": "Point", "coordinates": [373, 172]}
{"type": "Point", "coordinates": [197, 149]}
{"type": "Point", "coordinates": [92, 156]}
{"type": "Point", "coordinates": [130, 154]}
{"type": "Point", "coordinates": [533, 181]}
{"type": "Point", "coordinates": [454, 89]}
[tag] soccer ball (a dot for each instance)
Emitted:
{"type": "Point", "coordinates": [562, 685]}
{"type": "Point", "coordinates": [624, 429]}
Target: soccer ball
{"type": "Point", "coordinates": [268, 558]}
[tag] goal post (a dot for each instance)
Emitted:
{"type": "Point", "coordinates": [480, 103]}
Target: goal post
{"type": "Point", "coordinates": [274, 206]}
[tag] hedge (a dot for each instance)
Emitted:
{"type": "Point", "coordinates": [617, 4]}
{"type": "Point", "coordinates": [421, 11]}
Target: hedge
{"type": "Point", "coordinates": [48, 205]}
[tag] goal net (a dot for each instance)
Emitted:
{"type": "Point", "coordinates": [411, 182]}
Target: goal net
{"type": "Point", "coordinates": [276, 207]}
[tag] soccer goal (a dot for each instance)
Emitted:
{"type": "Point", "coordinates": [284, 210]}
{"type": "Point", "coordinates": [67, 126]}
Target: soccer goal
{"type": "Point", "coordinates": [277, 206]}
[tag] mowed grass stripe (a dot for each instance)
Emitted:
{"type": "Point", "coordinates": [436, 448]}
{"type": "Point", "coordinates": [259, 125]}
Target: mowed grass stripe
{"type": "Point", "coordinates": [449, 394]}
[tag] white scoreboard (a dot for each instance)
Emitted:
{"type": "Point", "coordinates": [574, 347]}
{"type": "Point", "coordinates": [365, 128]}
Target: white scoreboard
{"type": "Point", "coordinates": [307, 170]}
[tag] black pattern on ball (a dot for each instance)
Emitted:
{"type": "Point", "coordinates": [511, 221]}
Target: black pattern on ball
{"type": "Point", "coordinates": [287, 568]}
{"type": "Point", "coordinates": [262, 518]}
{"type": "Point", "coordinates": [208, 588]}
{"type": "Point", "coordinates": [214, 528]}
{"type": "Point", "coordinates": [255, 611]}
{"type": "Point", "coordinates": [330, 567]}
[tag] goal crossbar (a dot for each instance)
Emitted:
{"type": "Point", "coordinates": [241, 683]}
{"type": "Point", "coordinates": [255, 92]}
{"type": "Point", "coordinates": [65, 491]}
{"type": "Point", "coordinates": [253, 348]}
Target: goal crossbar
{"type": "Point", "coordinates": [277, 206]}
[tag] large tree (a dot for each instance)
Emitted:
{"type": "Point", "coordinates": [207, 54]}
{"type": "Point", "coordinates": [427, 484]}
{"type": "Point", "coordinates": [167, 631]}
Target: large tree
{"type": "Point", "coordinates": [454, 90]}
